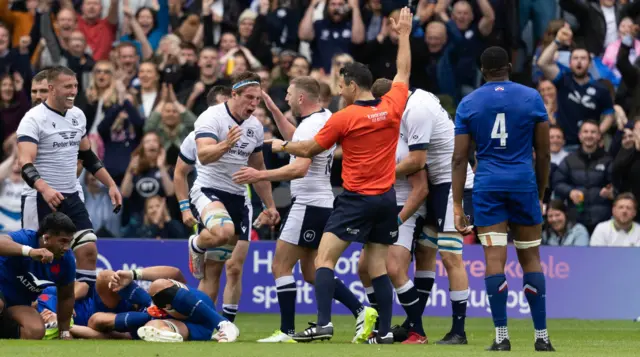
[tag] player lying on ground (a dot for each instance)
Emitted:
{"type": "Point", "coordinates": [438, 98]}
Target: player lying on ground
{"type": "Point", "coordinates": [29, 262]}
{"type": "Point", "coordinates": [185, 312]}
{"type": "Point", "coordinates": [505, 120]}
{"type": "Point", "coordinates": [366, 212]}
{"type": "Point", "coordinates": [101, 298]}
{"type": "Point", "coordinates": [228, 137]}
{"type": "Point", "coordinates": [312, 198]}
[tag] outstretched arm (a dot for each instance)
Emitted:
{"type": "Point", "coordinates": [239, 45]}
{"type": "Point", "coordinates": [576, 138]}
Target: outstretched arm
{"type": "Point", "coordinates": [403, 61]}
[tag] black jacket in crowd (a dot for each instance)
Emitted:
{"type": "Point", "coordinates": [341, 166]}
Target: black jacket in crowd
{"type": "Point", "coordinates": [588, 173]}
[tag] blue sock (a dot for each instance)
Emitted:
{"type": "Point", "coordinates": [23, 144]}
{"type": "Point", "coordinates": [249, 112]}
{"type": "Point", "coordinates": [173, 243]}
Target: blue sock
{"type": "Point", "coordinates": [188, 304]}
{"type": "Point", "coordinates": [384, 296]}
{"type": "Point", "coordinates": [410, 301]}
{"type": "Point", "coordinates": [424, 283]}
{"type": "Point", "coordinates": [535, 290]}
{"type": "Point", "coordinates": [371, 296]}
{"type": "Point", "coordinates": [287, 290]}
{"type": "Point", "coordinates": [498, 292]}
{"type": "Point", "coordinates": [325, 287]}
{"type": "Point", "coordinates": [343, 295]}
{"type": "Point", "coordinates": [86, 276]}
{"type": "Point", "coordinates": [131, 321]}
{"type": "Point", "coordinates": [459, 307]}
{"type": "Point", "coordinates": [135, 294]}
{"type": "Point", "coordinates": [229, 311]}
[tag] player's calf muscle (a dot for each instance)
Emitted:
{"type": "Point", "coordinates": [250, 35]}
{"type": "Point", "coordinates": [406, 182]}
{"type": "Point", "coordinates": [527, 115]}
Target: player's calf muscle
{"type": "Point", "coordinates": [398, 265]}
{"type": "Point", "coordinates": [102, 321]}
{"type": "Point", "coordinates": [285, 259]}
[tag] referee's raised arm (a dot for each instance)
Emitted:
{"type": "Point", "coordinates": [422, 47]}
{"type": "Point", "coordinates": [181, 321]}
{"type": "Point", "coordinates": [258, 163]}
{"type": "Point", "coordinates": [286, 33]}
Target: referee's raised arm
{"type": "Point", "coordinates": [403, 28]}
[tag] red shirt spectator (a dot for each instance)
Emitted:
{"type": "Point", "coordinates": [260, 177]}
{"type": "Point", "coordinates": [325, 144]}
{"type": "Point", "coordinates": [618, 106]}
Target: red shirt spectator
{"type": "Point", "coordinates": [99, 32]}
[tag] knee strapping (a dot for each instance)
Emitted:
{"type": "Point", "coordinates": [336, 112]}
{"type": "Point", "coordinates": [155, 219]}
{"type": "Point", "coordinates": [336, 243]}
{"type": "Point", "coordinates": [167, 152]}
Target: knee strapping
{"type": "Point", "coordinates": [526, 244]}
{"type": "Point", "coordinates": [219, 254]}
{"type": "Point", "coordinates": [83, 237]}
{"type": "Point", "coordinates": [493, 239]}
{"type": "Point", "coordinates": [450, 244]}
{"type": "Point", "coordinates": [429, 238]}
{"type": "Point", "coordinates": [216, 217]}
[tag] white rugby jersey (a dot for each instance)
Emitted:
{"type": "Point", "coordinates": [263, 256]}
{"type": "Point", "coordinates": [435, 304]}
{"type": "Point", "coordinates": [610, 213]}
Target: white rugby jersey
{"type": "Point", "coordinates": [58, 137]}
{"type": "Point", "coordinates": [10, 205]}
{"type": "Point", "coordinates": [427, 125]}
{"type": "Point", "coordinates": [315, 188]}
{"type": "Point", "coordinates": [402, 186]}
{"type": "Point", "coordinates": [215, 123]}
{"type": "Point", "coordinates": [189, 149]}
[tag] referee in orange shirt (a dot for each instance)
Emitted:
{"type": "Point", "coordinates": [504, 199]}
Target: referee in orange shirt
{"type": "Point", "coordinates": [368, 130]}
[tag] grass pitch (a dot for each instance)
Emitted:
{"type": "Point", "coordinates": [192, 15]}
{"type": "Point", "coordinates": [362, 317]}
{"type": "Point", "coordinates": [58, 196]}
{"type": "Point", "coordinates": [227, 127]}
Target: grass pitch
{"type": "Point", "coordinates": [569, 337]}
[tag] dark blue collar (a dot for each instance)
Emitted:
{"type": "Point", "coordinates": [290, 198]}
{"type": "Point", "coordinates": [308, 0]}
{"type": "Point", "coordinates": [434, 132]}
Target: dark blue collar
{"type": "Point", "coordinates": [367, 103]}
{"type": "Point", "coordinates": [53, 110]}
{"type": "Point", "coordinates": [306, 116]}
{"type": "Point", "coordinates": [226, 106]}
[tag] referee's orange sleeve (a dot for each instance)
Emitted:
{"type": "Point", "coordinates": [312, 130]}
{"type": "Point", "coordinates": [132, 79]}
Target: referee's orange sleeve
{"type": "Point", "coordinates": [397, 95]}
{"type": "Point", "coordinates": [331, 132]}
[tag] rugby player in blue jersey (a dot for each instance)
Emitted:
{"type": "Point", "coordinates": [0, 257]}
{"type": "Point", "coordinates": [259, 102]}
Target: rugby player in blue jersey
{"type": "Point", "coordinates": [31, 261]}
{"type": "Point", "coordinates": [508, 122]}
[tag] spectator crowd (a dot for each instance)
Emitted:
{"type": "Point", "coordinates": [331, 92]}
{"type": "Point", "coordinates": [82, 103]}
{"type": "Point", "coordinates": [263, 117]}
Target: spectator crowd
{"type": "Point", "coordinates": [145, 69]}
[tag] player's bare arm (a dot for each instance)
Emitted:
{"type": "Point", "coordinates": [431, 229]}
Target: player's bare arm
{"type": "Point", "coordinates": [27, 152]}
{"type": "Point", "coordinates": [9, 248]}
{"type": "Point", "coordinates": [306, 148]}
{"type": "Point", "coordinates": [459, 165]}
{"type": "Point", "coordinates": [210, 150]}
{"type": "Point", "coordinates": [263, 189]}
{"type": "Point", "coordinates": [79, 168]}
{"type": "Point", "coordinates": [284, 126]}
{"type": "Point", "coordinates": [66, 299]}
{"type": "Point", "coordinates": [547, 60]}
{"type": "Point", "coordinates": [543, 156]}
{"type": "Point", "coordinates": [403, 28]}
{"type": "Point", "coordinates": [412, 163]}
{"type": "Point", "coordinates": [295, 170]}
{"type": "Point", "coordinates": [418, 194]}
{"type": "Point", "coordinates": [120, 279]}
{"type": "Point", "coordinates": [92, 163]}
{"type": "Point", "coordinates": [181, 187]}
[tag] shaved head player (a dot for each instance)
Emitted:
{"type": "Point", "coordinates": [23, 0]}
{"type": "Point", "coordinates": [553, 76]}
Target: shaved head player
{"type": "Point", "coordinates": [506, 120]}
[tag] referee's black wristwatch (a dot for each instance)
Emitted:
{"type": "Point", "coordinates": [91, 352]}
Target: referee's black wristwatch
{"type": "Point", "coordinates": [284, 145]}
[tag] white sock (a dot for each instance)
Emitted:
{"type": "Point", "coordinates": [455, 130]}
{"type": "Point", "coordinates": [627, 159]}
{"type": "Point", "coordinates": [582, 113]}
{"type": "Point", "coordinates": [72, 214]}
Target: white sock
{"type": "Point", "coordinates": [195, 245]}
{"type": "Point", "coordinates": [501, 333]}
{"type": "Point", "coordinates": [543, 334]}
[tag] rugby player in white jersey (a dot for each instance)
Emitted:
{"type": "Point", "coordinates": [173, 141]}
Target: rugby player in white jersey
{"type": "Point", "coordinates": [210, 283]}
{"type": "Point", "coordinates": [228, 137]}
{"type": "Point", "coordinates": [312, 203]}
{"type": "Point", "coordinates": [51, 139]}
{"type": "Point", "coordinates": [215, 261]}
{"type": "Point", "coordinates": [427, 128]}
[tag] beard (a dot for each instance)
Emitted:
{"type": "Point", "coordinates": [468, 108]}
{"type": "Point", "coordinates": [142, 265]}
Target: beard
{"type": "Point", "coordinates": [580, 75]}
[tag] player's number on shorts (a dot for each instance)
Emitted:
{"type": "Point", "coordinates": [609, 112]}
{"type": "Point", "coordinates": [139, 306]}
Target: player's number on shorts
{"type": "Point", "coordinates": [500, 129]}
